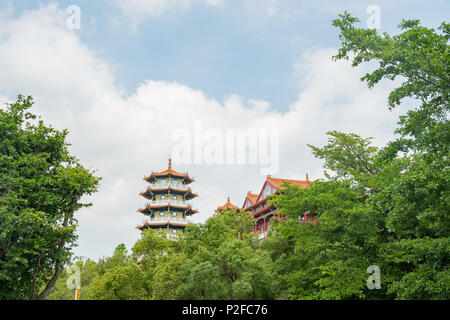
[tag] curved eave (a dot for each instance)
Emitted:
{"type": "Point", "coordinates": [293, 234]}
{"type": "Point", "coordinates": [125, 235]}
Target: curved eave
{"type": "Point", "coordinates": [161, 224]}
{"type": "Point", "coordinates": [154, 175]}
{"type": "Point", "coordinates": [191, 212]}
{"type": "Point", "coordinates": [222, 208]}
{"type": "Point", "coordinates": [188, 209]}
{"type": "Point", "coordinates": [150, 191]}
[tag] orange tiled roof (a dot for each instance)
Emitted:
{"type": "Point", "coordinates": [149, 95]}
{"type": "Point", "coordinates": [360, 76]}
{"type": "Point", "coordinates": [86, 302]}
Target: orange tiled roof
{"type": "Point", "coordinates": [252, 197]}
{"type": "Point", "coordinates": [277, 182]}
{"type": "Point", "coordinates": [169, 171]}
{"type": "Point", "coordinates": [227, 206]}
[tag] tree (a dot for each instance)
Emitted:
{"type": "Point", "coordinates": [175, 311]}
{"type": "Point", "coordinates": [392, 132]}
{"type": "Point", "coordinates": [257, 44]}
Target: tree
{"type": "Point", "coordinates": [215, 260]}
{"type": "Point", "coordinates": [420, 56]}
{"type": "Point", "coordinates": [119, 283]}
{"type": "Point", "coordinates": [327, 259]}
{"type": "Point", "coordinates": [41, 185]}
{"type": "Point", "coordinates": [223, 252]}
{"type": "Point", "coordinates": [386, 206]}
{"type": "Point", "coordinates": [112, 278]}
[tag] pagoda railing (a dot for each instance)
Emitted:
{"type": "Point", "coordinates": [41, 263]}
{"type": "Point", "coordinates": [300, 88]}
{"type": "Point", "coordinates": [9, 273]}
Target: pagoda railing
{"type": "Point", "coordinates": [167, 185]}
{"type": "Point", "coordinates": [165, 220]}
{"type": "Point", "coordinates": [169, 202]}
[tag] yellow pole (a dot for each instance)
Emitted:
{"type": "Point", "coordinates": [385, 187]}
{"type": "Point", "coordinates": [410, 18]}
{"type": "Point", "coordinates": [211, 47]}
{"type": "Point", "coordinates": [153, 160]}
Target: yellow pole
{"type": "Point", "coordinates": [77, 293]}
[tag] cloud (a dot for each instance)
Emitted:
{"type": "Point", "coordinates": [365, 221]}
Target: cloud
{"type": "Point", "coordinates": [149, 8]}
{"type": "Point", "coordinates": [136, 11]}
{"type": "Point", "coordinates": [127, 138]}
{"type": "Point", "coordinates": [3, 101]}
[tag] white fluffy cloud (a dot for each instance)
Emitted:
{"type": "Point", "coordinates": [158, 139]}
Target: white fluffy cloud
{"type": "Point", "coordinates": [125, 139]}
{"type": "Point", "coordinates": [149, 8]}
{"type": "Point", "coordinates": [136, 11]}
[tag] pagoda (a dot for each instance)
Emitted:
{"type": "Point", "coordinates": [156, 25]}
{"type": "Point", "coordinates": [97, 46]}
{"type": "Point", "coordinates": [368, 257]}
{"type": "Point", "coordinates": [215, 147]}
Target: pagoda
{"type": "Point", "coordinates": [168, 207]}
{"type": "Point", "coordinates": [227, 206]}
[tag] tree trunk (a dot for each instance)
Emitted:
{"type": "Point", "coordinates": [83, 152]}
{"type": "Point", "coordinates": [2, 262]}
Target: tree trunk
{"type": "Point", "coordinates": [58, 266]}
{"type": "Point", "coordinates": [36, 271]}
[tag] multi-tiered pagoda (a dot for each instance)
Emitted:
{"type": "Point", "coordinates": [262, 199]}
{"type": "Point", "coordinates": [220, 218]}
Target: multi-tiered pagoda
{"type": "Point", "coordinates": [227, 206]}
{"type": "Point", "coordinates": [168, 207]}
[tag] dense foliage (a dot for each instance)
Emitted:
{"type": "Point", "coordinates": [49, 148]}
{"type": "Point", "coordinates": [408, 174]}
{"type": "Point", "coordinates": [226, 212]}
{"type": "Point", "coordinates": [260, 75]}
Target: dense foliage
{"type": "Point", "coordinates": [40, 187]}
{"type": "Point", "coordinates": [384, 206]}
{"type": "Point", "coordinates": [215, 260]}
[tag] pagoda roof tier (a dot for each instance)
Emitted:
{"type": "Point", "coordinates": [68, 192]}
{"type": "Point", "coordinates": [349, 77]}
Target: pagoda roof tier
{"type": "Point", "coordinates": [228, 206]}
{"type": "Point", "coordinates": [151, 207]}
{"type": "Point", "coordinates": [252, 197]}
{"type": "Point", "coordinates": [169, 172]}
{"type": "Point", "coordinates": [158, 226]}
{"type": "Point", "coordinates": [154, 190]}
{"type": "Point", "coordinates": [159, 222]}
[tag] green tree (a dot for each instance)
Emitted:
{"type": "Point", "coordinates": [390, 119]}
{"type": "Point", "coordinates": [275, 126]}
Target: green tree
{"type": "Point", "coordinates": [416, 201]}
{"type": "Point", "coordinates": [119, 283]}
{"type": "Point", "coordinates": [327, 259]}
{"type": "Point", "coordinates": [385, 206]}
{"type": "Point", "coordinates": [41, 185]}
{"type": "Point", "coordinates": [420, 57]}
{"type": "Point", "coordinates": [225, 262]}
{"type": "Point", "coordinates": [215, 260]}
{"type": "Point", "coordinates": [116, 266]}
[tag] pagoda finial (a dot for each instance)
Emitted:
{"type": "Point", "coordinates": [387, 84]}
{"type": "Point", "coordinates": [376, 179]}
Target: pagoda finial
{"type": "Point", "coordinates": [228, 199]}
{"type": "Point", "coordinates": [170, 163]}
{"type": "Point", "coordinates": [307, 178]}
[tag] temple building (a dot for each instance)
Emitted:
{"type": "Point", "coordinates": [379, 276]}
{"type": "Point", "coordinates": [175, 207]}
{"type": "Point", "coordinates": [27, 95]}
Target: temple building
{"type": "Point", "coordinates": [264, 212]}
{"type": "Point", "coordinates": [227, 206]}
{"type": "Point", "coordinates": [168, 207]}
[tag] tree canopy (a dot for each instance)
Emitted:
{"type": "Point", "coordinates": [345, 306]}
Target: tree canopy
{"type": "Point", "coordinates": [41, 185]}
{"type": "Point", "coordinates": [383, 206]}
{"type": "Point", "coordinates": [215, 260]}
